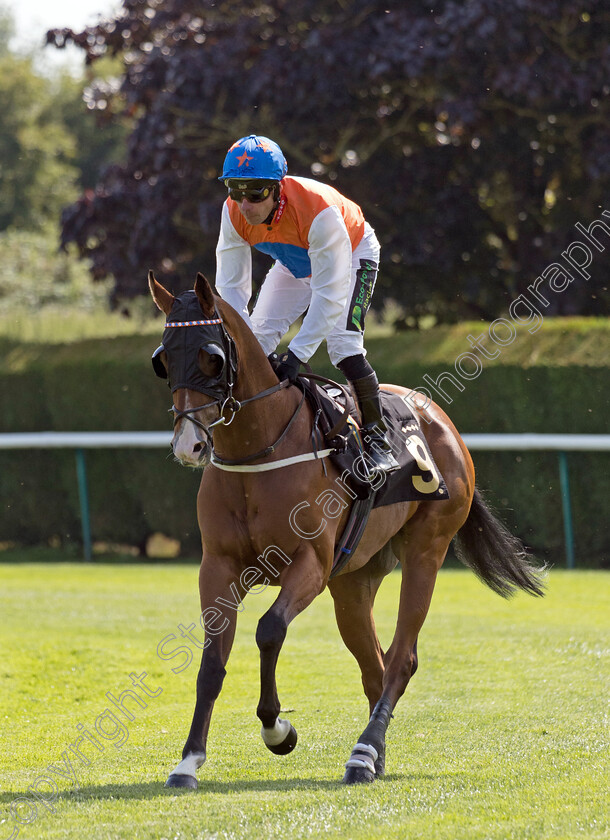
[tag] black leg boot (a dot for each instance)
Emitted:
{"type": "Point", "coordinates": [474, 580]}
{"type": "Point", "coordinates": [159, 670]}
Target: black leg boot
{"type": "Point", "coordinates": [366, 392]}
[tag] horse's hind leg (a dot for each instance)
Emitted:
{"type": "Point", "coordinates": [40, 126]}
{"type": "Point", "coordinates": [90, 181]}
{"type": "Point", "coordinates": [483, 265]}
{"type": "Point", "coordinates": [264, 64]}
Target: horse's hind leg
{"type": "Point", "coordinates": [354, 596]}
{"type": "Point", "coordinates": [419, 570]}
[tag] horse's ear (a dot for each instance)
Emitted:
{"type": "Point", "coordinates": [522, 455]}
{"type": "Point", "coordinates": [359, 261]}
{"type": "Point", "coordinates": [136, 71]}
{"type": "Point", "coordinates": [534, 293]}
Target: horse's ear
{"type": "Point", "coordinates": [163, 298]}
{"type": "Point", "coordinates": [205, 294]}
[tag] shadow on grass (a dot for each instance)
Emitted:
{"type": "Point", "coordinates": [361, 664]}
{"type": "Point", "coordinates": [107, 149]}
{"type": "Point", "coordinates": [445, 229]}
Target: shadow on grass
{"type": "Point", "coordinates": [151, 790]}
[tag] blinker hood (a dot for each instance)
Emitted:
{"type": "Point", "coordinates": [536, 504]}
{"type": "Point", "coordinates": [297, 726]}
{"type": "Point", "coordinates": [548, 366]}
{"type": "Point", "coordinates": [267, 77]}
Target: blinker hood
{"type": "Point", "coordinates": [187, 332]}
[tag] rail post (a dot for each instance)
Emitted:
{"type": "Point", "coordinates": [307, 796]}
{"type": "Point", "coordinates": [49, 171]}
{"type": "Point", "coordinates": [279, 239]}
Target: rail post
{"type": "Point", "coordinates": [83, 498]}
{"type": "Point", "coordinates": [566, 504]}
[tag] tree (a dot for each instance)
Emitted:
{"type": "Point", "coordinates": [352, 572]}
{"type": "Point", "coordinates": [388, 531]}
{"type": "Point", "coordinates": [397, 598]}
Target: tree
{"type": "Point", "coordinates": [50, 147]}
{"type": "Point", "coordinates": [99, 140]}
{"type": "Point", "coordinates": [474, 134]}
{"type": "Point", "coordinates": [36, 273]}
{"type": "Point", "coordinates": [37, 177]}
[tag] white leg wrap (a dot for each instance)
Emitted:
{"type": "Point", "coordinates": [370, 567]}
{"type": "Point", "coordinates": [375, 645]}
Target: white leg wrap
{"type": "Point", "coordinates": [363, 755]}
{"type": "Point", "coordinates": [189, 765]}
{"type": "Point", "coordinates": [278, 733]}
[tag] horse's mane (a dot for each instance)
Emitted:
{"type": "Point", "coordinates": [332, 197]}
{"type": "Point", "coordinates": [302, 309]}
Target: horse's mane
{"type": "Point", "coordinates": [247, 342]}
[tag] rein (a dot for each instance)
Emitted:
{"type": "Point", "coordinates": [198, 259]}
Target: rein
{"type": "Point", "coordinates": [228, 402]}
{"type": "Point", "coordinates": [234, 406]}
{"type": "Point", "coordinates": [242, 465]}
{"type": "Point", "coordinates": [225, 462]}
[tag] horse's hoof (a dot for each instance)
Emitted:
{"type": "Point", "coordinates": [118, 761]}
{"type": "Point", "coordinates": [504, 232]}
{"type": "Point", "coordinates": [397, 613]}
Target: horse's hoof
{"type": "Point", "coordinates": [287, 745]}
{"type": "Point", "coordinates": [181, 780]}
{"type": "Point", "coordinates": [361, 766]}
{"type": "Point", "coordinates": [358, 775]}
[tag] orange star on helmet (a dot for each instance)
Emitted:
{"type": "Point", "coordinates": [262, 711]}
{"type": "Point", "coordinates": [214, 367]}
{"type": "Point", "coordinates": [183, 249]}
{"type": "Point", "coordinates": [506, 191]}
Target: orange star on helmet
{"type": "Point", "coordinates": [266, 147]}
{"type": "Point", "coordinates": [243, 160]}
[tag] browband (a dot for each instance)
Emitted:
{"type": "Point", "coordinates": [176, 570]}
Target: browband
{"type": "Point", "coordinates": [193, 323]}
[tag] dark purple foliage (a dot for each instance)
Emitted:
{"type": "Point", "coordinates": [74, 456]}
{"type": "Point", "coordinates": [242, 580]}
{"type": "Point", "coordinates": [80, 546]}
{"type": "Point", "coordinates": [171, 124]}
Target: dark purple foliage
{"type": "Point", "coordinates": [474, 134]}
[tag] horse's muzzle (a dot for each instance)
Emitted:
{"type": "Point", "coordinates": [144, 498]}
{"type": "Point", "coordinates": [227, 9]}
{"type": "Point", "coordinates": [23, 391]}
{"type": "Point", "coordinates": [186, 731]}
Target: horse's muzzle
{"type": "Point", "coordinates": [190, 446]}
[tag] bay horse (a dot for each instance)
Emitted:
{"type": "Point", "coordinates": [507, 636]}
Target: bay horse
{"type": "Point", "coordinates": [269, 513]}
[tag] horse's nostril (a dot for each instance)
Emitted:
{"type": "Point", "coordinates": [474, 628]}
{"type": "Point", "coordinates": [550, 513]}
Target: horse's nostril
{"type": "Point", "coordinates": [198, 447]}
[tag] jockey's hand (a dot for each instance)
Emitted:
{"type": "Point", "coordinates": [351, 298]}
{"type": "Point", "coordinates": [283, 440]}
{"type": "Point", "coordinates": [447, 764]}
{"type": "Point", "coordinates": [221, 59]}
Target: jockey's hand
{"type": "Point", "coordinates": [274, 361]}
{"type": "Point", "coordinates": [288, 367]}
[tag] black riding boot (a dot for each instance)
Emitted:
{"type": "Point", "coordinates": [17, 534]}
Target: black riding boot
{"type": "Point", "coordinates": [366, 392]}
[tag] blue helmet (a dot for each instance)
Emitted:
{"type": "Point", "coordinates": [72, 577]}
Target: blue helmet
{"type": "Point", "coordinates": [254, 157]}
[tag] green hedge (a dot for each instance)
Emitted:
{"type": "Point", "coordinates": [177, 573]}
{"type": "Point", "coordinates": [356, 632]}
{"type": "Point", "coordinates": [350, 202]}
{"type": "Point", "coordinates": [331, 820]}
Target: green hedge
{"type": "Point", "coordinates": [109, 385]}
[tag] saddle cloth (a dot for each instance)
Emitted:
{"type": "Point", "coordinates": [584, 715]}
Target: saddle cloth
{"type": "Point", "coordinates": [418, 478]}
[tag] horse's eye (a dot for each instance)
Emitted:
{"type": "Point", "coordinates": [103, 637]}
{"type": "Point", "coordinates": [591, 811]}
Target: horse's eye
{"type": "Point", "coordinates": [210, 363]}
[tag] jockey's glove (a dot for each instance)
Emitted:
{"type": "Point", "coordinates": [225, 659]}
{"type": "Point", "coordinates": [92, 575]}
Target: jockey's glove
{"type": "Point", "coordinates": [288, 367]}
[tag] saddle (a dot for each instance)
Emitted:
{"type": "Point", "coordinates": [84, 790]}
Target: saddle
{"type": "Point", "coordinates": [337, 426]}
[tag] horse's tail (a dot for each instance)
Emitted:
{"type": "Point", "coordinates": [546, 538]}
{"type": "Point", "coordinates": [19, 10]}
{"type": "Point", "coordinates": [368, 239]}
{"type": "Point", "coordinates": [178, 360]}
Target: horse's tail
{"type": "Point", "coordinates": [495, 555]}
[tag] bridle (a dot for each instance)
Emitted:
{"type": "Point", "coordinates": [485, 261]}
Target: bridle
{"type": "Point", "coordinates": [183, 371]}
{"type": "Point", "coordinates": [226, 401]}
{"type": "Point", "coordinates": [215, 339]}
{"type": "Point", "coordinates": [233, 405]}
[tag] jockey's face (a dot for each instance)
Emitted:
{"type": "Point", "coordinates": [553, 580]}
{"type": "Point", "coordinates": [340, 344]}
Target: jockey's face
{"type": "Point", "coordinates": [255, 213]}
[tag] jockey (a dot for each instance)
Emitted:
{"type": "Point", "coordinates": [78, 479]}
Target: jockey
{"type": "Point", "coordinates": [325, 261]}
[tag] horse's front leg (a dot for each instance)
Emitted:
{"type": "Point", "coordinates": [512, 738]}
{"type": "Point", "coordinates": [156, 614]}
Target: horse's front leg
{"type": "Point", "coordinates": [219, 589]}
{"type": "Point", "coordinates": [300, 583]}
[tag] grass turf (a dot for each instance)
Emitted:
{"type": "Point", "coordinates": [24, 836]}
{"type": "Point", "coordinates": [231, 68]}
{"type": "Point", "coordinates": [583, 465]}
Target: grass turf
{"type": "Point", "coordinates": [502, 733]}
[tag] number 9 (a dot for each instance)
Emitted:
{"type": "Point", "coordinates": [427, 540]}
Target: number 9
{"type": "Point", "coordinates": [418, 451]}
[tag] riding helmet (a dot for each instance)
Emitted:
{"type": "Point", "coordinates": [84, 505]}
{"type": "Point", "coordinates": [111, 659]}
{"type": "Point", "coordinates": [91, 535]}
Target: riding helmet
{"type": "Point", "coordinates": [254, 157]}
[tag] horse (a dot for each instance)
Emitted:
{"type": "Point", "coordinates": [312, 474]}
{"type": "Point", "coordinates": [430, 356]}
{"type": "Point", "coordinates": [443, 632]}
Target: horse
{"type": "Point", "coordinates": [270, 514]}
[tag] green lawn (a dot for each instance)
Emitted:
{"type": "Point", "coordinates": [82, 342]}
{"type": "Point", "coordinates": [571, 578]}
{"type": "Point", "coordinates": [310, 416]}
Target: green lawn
{"type": "Point", "coordinates": [501, 734]}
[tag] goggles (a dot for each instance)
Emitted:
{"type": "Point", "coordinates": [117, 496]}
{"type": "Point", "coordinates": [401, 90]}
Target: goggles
{"type": "Point", "coordinates": [254, 196]}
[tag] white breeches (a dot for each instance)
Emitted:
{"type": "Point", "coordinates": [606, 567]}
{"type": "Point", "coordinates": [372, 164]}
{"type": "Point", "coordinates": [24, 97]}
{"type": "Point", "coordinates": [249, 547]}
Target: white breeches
{"type": "Point", "coordinates": [283, 298]}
